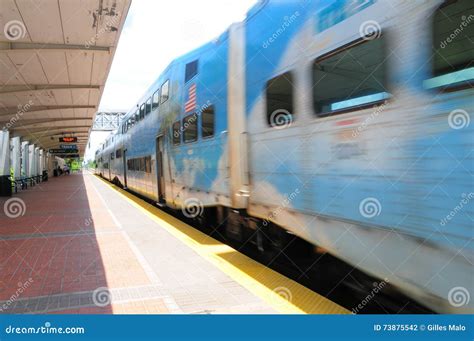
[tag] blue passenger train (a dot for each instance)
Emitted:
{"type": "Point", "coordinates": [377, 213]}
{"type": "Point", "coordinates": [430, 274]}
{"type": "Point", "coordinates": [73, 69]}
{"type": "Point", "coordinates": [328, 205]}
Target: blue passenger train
{"type": "Point", "coordinates": [345, 123]}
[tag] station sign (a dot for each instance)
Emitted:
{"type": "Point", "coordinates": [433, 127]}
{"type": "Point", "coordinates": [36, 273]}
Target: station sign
{"type": "Point", "coordinates": [68, 139]}
{"type": "Point", "coordinates": [63, 151]}
{"type": "Point", "coordinates": [68, 146]}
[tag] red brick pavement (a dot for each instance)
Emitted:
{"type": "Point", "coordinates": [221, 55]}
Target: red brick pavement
{"type": "Point", "coordinates": [65, 242]}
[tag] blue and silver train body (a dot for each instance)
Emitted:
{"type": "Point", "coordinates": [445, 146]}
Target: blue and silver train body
{"type": "Point", "coordinates": [346, 123]}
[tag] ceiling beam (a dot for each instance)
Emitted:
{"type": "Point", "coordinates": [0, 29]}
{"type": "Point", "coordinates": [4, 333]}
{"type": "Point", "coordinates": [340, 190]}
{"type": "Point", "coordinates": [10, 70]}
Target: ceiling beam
{"type": "Point", "coordinates": [13, 111]}
{"type": "Point", "coordinates": [6, 47]}
{"type": "Point", "coordinates": [80, 145]}
{"type": "Point", "coordinates": [7, 89]}
{"type": "Point", "coordinates": [72, 129]}
{"type": "Point", "coordinates": [66, 134]}
{"type": "Point", "coordinates": [35, 120]}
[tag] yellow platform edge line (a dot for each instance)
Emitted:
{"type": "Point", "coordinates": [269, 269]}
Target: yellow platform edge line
{"type": "Point", "coordinates": [287, 296]}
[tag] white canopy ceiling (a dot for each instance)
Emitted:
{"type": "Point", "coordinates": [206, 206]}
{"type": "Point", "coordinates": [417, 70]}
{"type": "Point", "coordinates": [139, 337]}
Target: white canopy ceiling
{"type": "Point", "coordinates": [55, 56]}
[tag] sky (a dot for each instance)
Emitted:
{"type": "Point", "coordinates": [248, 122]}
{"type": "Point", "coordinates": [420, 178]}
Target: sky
{"type": "Point", "coordinates": [156, 32]}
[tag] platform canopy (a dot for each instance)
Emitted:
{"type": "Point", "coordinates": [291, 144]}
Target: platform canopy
{"type": "Point", "coordinates": [55, 56]}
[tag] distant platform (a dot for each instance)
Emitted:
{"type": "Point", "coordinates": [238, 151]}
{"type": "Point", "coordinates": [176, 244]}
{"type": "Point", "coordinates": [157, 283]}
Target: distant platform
{"type": "Point", "coordinates": [80, 245]}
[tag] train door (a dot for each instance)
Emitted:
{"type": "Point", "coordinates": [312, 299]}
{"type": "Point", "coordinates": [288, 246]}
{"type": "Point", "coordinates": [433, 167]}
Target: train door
{"type": "Point", "coordinates": [125, 168]}
{"type": "Point", "coordinates": [159, 168]}
{"type": "Point", "coordinates": [110, 167]}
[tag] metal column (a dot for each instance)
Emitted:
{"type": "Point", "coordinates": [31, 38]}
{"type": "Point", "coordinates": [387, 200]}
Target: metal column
{"type": "Point", "coordinates": [37, 161]}
{"type": "Point", "coordinates": [5, 183]}
{"type": "Point", "coordinates": [31, 161]}
{"type": "Point", "coordinates": [16, 156]}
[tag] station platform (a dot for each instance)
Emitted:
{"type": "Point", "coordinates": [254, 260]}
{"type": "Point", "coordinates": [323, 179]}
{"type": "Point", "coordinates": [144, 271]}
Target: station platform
{"type": "Point", "coordinates": [79, 245]}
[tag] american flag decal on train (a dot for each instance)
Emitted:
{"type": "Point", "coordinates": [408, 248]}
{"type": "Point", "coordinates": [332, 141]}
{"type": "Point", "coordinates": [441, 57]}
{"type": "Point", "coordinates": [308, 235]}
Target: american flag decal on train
{"type": "Point", "coordinates": [190, 104]}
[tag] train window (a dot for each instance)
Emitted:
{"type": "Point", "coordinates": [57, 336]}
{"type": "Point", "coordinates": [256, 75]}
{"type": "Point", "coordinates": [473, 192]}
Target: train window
{"type": "Point", "coordinates": [453, 48]}
{"type": "Point", "coordinates": [176, 133]}
{"type": "Point", "coordinates": [156, 100]}
{"type": "Point", "coordinates": [279, 92]}
{"type": "Point", "coordinates": [142, 164]}
{"type": "Point", "coordinates": [165, 91]}
{"type": "Point", "coordinates": [207, 122]}
{"type": "Point", "coordinates": [191, 70]}
{"type": "Point", "coordinates": [148, 106]}
{"type": "Point", "coordinates": [351, 78]}
{"type": "Point", "coordinates": [112, 156]}
{"type": "Point", "coordinates": [148, 164]}
{"type": "Point", "coordinates": [118, 153]}
{"type": "Point", "coordinates": [142, 111]}
{"type": "Point", "coordinates": [190, 128]}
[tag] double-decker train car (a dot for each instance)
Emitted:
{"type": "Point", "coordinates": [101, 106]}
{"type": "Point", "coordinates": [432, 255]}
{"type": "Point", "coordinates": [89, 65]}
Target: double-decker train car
{"type": "Point", "coordinates": [345, 123]}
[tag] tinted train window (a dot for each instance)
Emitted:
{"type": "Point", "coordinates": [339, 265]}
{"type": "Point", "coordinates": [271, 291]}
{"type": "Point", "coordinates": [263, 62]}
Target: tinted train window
{"type": "Point", "coordinates": [156, 100]}
{"type": "Point", "coordinates": [136, 118]}
{"type": "Point", "coordinates": [453, 45]}
{"type": "Point", "coordinates": [176, 133]}
{"type": "Point", "coordinates": [165, 91]}
{"type": "Point", "coordinates": [351, 78]}
{"type": "Point", "coordinates": [148, 106]}
{"type": "Point", "coordinates": [118, 153]}
{"type": "Point", "coordinates": [191, 70]}
{"type": "Point", "coordinates": [207, 122]}
{"type": "Point", "coordinates": [190, 128]}
{"type": "Point", "coordinates": [148, 164]}
{"type": "Point", "coordinates": [142, 111]}
{"type": "Point", "coordinates": [279, 92]}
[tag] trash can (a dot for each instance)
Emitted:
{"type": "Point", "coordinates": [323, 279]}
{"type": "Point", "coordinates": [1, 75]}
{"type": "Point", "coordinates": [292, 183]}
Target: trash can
{"type": "Point", "coordinates": [45, 175]}
{"type": "Point", "coordinates": [5, 186]}
{"type": "Point", "coordinates": [55, 172]}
